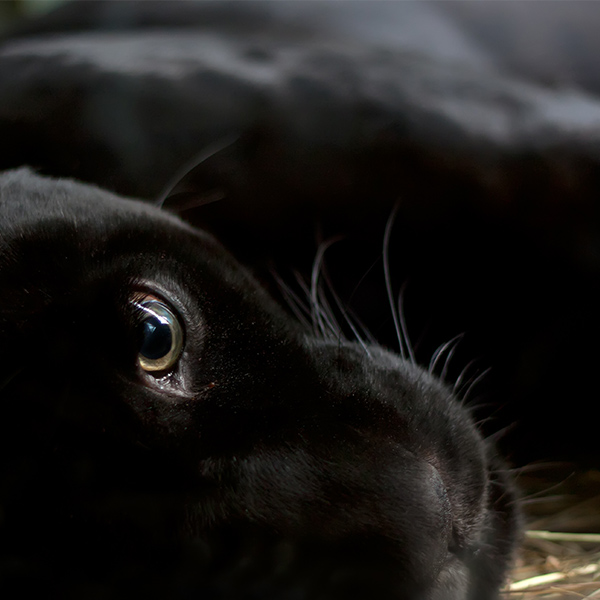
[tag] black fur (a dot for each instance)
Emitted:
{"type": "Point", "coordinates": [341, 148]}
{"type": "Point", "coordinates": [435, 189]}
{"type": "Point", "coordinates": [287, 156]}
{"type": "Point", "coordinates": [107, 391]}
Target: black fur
{"type": "Point", "coordinates": [360, 104]}
{"type": "Point", "coordinates": [269, 462]}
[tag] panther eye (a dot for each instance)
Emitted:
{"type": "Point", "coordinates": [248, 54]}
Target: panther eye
{"type": "Point", "coordinates": [160, 334]}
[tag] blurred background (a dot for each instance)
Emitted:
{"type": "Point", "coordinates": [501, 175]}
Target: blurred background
{"type": "Point", "coordinates": [13, 10]}
{"type": "Point", "coordinates": [481, 118]}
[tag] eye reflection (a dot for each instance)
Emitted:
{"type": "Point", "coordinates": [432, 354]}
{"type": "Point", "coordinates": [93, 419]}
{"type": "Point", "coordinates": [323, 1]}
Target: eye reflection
{"type": "Point", "coordinates": [160, 334]}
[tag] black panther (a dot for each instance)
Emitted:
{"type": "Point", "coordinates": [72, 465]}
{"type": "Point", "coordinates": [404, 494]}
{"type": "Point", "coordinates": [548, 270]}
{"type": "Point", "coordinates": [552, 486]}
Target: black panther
{"type": "Point", "coordinates": [169, 431]}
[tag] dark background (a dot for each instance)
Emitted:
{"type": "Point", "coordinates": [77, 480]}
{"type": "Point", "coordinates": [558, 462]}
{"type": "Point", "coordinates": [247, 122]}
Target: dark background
{"type": "Point", "coordinates": [480, 119]}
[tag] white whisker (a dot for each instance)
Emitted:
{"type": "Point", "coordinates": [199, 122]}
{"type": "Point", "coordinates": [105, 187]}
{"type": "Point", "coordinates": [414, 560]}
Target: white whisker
{"type": "Point", "coordinates": [438, 354]}
{"type": "Point", "coordinates": [461, 380]}
{"type": "Point", "coordinates": [473, 384]}
{"type": "Point", "coordinates": [349, 317]}
{"type": "Point", "coordinates": [388, 280]}
{"type": "Point", "coordinates": [298, 308]}
{"type": "Point", "coordinates": [327, 313]}
{"type": "Point", "coordinates": [403, 326]}
{"type": "Point", "coordinates": [317, 314]}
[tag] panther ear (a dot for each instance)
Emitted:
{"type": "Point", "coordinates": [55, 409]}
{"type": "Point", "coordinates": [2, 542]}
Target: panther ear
{"type": "Point", "coordinates": [212, 175]}
{"type": "Point", "coordinates": [250, 176]}
{"type": "Point", "coordinates": [202, 180]}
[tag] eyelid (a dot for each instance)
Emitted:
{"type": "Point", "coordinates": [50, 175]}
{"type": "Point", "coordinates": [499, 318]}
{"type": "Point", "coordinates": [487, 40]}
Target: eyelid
{"type": "Point", "coordinates": [138, 297]}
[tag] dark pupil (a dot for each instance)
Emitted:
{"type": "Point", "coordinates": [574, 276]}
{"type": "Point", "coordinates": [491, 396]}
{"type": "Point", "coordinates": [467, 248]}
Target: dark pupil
{"type": "Point", "coordinates": [156, 338]}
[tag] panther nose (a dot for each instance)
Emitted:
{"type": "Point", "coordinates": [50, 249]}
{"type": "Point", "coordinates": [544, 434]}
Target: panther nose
{"type": "Point", "coordinates": [412, 535]}
{"type": "Point", "coordinates": [427, 529]}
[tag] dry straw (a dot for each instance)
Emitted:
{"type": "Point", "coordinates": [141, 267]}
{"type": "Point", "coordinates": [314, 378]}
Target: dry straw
{"type": "Point", "coordinates": [560, 553]}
